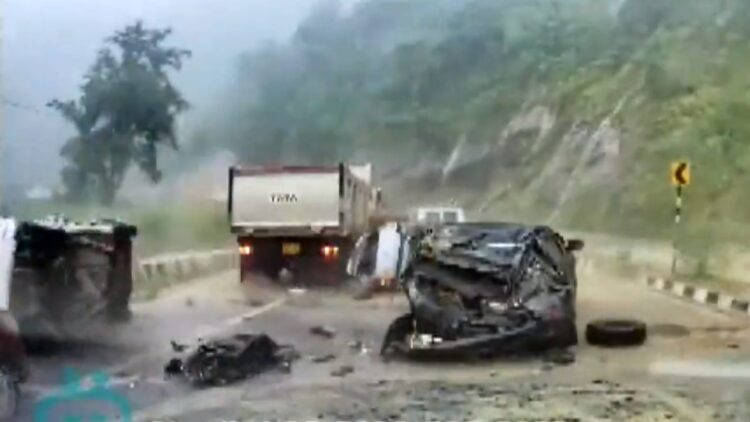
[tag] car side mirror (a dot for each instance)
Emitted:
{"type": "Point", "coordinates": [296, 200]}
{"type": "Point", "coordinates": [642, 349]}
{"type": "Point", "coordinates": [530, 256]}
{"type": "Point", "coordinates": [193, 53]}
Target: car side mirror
{"type": "Point", "coordinates": [574, 245]}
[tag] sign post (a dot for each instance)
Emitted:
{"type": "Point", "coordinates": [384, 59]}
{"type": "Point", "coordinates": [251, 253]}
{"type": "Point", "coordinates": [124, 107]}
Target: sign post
{"type": "Point", "coordinates": [680, 175]}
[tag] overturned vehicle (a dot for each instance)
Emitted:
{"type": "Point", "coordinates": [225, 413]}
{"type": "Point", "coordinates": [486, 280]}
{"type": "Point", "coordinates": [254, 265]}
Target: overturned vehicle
{"type": "Point", "coordinates": [484, 289]}
{"type": "Point", "coordinates": [70, 279]}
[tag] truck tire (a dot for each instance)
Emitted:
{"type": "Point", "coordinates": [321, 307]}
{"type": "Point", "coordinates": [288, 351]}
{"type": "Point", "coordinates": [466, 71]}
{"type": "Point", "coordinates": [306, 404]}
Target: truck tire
{"type": "Point", "coordinates": [616, 332]}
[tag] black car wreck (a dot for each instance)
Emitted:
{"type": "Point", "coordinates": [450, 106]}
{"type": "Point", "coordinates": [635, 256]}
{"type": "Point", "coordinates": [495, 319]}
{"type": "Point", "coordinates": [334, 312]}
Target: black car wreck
{"type": "Point", "coordinates": [484, 289]}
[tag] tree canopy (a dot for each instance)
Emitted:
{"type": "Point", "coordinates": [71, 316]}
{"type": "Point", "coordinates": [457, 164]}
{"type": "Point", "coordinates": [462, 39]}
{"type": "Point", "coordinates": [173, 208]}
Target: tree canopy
{"type": "Point", "coordinates": [126, 111]}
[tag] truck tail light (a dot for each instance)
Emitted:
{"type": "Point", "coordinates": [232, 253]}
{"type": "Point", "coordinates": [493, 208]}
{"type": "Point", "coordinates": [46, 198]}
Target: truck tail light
{"type": "Point", "coordinates": [246, 250]}
{"type": "Point", "coordinates": [329, 251]}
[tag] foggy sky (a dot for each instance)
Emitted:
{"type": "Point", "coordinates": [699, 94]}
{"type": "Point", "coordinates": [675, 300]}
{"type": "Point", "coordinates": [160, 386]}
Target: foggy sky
{"type": "Point", "coordinates": [47, 46]}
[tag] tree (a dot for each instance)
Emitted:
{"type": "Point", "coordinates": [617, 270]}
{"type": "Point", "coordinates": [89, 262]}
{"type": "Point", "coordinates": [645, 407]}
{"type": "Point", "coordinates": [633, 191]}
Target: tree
{"type": "Point", "coordinates": [126, 110]}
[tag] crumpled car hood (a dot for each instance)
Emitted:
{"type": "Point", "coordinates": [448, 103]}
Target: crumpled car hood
{"type": "Point", "coordinates": [487, 287]}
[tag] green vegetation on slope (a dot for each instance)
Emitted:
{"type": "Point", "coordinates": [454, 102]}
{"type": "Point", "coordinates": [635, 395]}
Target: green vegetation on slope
{"type": "Point", "coordinates": [628, 85]}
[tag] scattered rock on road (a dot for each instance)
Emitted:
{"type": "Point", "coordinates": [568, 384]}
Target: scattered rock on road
{"type": "Point", "coordinates": [342, 371]}
{"type": "Point", "coordinates": [358, 347]}
{"type": "Point", "coordinates": [324, 358]}
{"type": "Point", "coordinates": [323, 331]}
{"type": "Point", "coordinates": [177, 347]}
{"type": "Point", "coordinates": [560, 357]}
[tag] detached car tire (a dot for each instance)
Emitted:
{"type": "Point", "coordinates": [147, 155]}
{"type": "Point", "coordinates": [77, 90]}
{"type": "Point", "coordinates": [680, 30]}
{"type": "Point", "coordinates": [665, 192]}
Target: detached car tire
{"type": "Point", "coordinates": [616, 332]}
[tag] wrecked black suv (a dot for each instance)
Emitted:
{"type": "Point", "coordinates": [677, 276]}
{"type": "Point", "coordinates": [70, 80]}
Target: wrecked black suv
{"type": "Point", "coordinates": [485, 289]}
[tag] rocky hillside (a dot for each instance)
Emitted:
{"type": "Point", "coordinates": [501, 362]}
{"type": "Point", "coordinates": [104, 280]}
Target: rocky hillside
{"type": "Point", "coordinates": [561, 111]}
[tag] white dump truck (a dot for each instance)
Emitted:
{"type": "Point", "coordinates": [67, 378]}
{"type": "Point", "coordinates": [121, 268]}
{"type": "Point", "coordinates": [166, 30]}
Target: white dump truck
{"type": "Point", "coordinates": [299, 220]}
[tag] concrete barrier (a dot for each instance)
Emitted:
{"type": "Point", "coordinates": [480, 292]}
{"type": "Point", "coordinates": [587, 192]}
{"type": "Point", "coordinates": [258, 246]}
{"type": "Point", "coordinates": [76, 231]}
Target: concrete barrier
{"type": "Point", "coordinates": [185, 266]}
{"type": "Point", "coordinates": [726, 261]}
{"type": "Point", "coordinates": [699, 295]}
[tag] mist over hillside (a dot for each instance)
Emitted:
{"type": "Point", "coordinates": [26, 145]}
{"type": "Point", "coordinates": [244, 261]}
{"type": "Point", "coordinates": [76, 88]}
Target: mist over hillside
{"type": "Point", "coordinates": [561, 111]}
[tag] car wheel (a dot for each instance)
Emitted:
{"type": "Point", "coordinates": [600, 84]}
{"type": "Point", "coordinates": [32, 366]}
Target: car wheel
{"type": "Point", "coordinates": [396, 335]}
{"type": "Point", "coordinates": [616, 332]}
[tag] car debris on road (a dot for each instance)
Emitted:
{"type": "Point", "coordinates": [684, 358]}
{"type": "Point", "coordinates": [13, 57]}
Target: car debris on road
{"type": "Point", "coordinates": [227, 360]}
{"type": "Point", "coordinates": [324, 358]}
{"type": "Point", "coordinates": [177, 347]}
{"type": "Point", "coordinates": [323, 331]}
{"type": "Point", "coordinates": [342, 371]}
{"type": "Point", "coordinates": [484, 289]}
{"type": "Point", "coordinates": [67, 275]}
{"type": "Point", "coordinates": [359, 347]}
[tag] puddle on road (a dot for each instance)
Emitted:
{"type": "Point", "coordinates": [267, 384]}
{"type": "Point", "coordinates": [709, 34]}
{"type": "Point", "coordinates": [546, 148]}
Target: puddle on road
{"type": "Point", "coordinates": [701, 369]}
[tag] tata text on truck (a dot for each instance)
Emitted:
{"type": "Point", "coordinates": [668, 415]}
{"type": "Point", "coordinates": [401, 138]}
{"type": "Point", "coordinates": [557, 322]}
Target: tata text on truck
{"type": "Point", "coordinates": [301, 220]}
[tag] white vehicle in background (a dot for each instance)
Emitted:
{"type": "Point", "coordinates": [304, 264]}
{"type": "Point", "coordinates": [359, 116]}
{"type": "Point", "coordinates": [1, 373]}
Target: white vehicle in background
{"type": "Point", "coordinates": [437, 215]}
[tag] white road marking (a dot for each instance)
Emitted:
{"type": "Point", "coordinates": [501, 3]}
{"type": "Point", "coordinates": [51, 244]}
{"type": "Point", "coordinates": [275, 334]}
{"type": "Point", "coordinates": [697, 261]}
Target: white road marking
{"type": "Point", "coordinates": [701, 369]}
{"type": "Point", "coordinates": [211, 330]}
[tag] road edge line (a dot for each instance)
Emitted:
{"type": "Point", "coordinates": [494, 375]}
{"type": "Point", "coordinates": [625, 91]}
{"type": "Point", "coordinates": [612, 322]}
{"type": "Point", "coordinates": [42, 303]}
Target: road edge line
{"type": "Point", "coordinates": [699, 295]}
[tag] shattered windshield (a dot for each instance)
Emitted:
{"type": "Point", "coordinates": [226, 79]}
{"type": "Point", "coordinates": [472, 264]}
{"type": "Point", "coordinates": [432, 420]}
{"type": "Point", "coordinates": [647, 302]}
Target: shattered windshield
{"type": "Point", "coordinates": [375, 210]}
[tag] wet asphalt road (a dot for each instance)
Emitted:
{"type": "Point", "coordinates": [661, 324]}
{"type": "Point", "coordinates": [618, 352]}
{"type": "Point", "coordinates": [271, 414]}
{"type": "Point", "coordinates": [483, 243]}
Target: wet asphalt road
{"type": "Point", "coordinates": [629, 384]}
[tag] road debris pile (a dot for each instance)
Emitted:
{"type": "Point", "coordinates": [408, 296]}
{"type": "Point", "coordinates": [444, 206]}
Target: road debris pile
{"type": "Point", "coordinates": [227, 360]}
{"type": "Point", "coordinates": [323, 331]}
{"type": "Point", "coordinates": [484, 289]}
{"type": "Point", "coordinates": [68, 273]}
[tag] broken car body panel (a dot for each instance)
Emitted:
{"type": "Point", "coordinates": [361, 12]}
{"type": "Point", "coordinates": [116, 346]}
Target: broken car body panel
{"type": "Point", "coordinates": [68, 275]}
{"type": "Point", "coordinates": [227, 360]}
{"type": "Point", "coordinates": [486, 288]}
